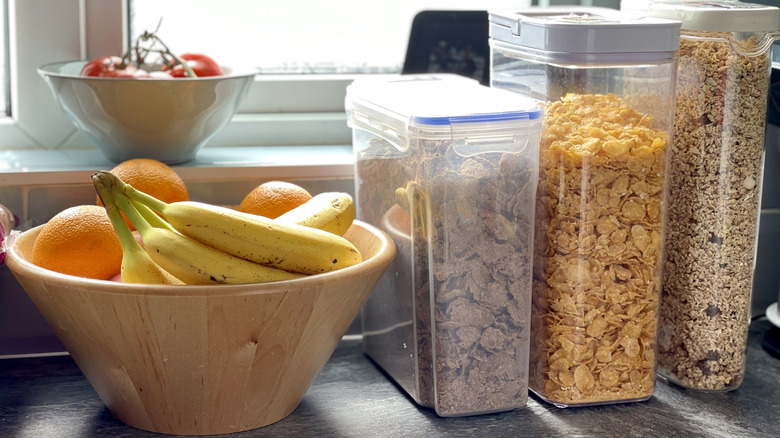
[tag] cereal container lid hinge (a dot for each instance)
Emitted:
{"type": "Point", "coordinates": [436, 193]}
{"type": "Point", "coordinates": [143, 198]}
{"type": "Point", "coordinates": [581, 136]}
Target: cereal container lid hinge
{"type": "Point", "coordinates": [586, 33]}
{"type": "Point", "coordinates": [392, 130]}
{"type": "Point", "coordinates": [472, 138]}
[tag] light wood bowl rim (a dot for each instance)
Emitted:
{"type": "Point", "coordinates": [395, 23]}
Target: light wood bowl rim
{"type": "Point", "coordinates": [382, 258]}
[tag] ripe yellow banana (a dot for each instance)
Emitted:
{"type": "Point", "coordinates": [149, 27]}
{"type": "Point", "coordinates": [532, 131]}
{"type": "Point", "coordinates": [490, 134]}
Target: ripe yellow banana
{"type": "Point", "coordinates": [330, 211]}
{"type": "Point", "coordinates": [289, 247]}
{"type": "Point", "coordinates": [137, 266]}
{"type": "Point", "coordinates": [193, 262]}
{"type": "Point", "coordinates": [294, 248]}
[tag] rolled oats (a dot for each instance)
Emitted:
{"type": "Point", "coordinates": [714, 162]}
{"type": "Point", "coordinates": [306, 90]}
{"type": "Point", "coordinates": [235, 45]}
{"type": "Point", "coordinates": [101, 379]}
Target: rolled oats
{"type": "Point", "coordinates": [597, 251]}
{"type": "Point", "coordinates": [714, 202]}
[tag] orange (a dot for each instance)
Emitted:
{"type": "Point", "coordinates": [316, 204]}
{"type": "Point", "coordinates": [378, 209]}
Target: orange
{"type": "Point", "coordinates": [79, 241]}
{"type": "Point", "coordinates": [152, 177]}
{"type": "Point", "coordinates": [273, 199]}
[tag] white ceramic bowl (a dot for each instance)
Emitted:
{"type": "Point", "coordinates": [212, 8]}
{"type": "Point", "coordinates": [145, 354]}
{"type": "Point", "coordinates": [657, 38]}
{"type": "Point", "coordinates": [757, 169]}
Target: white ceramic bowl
{"type": "Point", "coordinates": [165, 119]}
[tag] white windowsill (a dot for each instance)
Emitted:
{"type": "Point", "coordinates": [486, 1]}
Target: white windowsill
{"type": "Point", "coordinates": [41, 167]}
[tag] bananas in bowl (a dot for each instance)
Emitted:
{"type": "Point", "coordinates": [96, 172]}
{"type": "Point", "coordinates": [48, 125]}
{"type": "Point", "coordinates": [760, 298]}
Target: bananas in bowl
{"type": "Point", "coordinates": [197, 243]}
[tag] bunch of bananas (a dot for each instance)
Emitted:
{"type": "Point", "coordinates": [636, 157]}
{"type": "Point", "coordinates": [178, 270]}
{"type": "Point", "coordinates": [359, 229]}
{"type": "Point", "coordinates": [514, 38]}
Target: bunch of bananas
{"type": "Point", "coordinates": [196, 243]}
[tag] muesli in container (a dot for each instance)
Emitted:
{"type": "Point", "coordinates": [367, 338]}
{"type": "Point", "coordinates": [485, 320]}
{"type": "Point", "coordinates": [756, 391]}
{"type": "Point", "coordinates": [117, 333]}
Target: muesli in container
{"type": "Point", "coordinates": [608, 84]}
{"type": "Point", "coordinates": [448, 168]}
{"type": "Point", "coordinates": [715, 189]}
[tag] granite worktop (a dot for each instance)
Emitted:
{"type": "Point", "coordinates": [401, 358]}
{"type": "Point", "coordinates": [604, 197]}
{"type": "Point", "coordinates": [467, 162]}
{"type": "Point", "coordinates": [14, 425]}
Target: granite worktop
{"type": "Point", "coordinates": [49, 397]}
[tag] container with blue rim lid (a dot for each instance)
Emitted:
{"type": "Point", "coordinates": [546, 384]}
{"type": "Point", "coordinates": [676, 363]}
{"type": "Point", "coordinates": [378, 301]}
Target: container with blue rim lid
{"type": "Point", "coordinates": [449, 169]}
{"type": "Point", "coordinates": [441, 106]}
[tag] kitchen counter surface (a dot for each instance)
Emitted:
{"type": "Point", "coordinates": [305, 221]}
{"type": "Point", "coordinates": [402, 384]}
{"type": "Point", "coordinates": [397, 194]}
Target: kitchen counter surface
{"type": "Point", "coordinates": [49, 397]}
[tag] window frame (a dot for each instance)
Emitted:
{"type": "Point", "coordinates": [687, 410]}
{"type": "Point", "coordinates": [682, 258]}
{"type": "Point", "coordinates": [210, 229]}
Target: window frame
{"type": "Point", "coordinates": [278, 110]}
{"type": "Point", "coordinates": [3, 60]}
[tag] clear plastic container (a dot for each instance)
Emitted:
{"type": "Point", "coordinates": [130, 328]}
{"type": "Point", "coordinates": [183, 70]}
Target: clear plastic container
{"type": "Point", "coordinates": [448, 168]}
{"type": "Point", "coordinates": [608, 84]}
{"type": "Point", "coordinates": [715, 189]}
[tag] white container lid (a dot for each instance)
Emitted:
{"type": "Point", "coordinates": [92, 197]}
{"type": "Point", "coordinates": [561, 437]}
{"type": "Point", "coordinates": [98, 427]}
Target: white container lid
{"type": "Point", "coordinates": [584, 31]}
{"type": "Point", "coordinates": [441, 106]}
{"type": "Point", "coordinates": [719, 15]}
{"type": "Point", "coordinates": [437, 99]}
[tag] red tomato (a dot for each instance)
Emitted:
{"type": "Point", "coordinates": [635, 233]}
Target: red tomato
{"type": "Point", "coordinates": [110, 67]}
{"type": "Point", "coordinates": [202, 65]}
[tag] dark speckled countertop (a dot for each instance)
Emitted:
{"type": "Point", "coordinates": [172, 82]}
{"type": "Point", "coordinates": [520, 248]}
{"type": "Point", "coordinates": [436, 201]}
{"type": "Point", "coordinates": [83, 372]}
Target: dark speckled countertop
{"type": "Point", "coordinates": [49, 397]}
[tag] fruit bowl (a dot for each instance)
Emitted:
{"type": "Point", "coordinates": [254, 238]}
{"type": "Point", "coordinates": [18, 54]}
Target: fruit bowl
{"type": "Point", "coordinates": [200, 360]}
{"type": "Point", "coordinates": [168, 119]}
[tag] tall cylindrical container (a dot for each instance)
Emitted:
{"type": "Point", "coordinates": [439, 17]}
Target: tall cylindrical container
{"type": "Point", "coordinates": [608, 84]}
{"type": "Point", "coordinates": [715, 189]}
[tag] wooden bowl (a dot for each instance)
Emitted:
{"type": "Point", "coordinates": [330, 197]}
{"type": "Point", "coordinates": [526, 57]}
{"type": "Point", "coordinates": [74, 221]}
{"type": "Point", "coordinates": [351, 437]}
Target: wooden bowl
{"type": "Point", "coordinates": [200, 360]}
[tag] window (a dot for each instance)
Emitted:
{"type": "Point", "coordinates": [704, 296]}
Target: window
{"type": "Point", "coordinates": [39, 31]}
{"type": "Point", "coordinates": [306, 51]}
{"type": "Point", "coordinates": [3, 62]}
{"type": "Point", "coordinates": [279, 37]}
{"type": "Point", "coordinates": [286, 106]}
{"type": "Point", "coordinates": [294, 36]}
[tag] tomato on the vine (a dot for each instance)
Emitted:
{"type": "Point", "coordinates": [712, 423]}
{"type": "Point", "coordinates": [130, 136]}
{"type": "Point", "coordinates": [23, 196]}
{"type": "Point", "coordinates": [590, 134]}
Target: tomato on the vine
{"type": "Point", "coordinates": [202, 65]}
{"type": "Point", "coordinates": [134, 62]}
{"type": "Point", "coordinates": [112, 67]}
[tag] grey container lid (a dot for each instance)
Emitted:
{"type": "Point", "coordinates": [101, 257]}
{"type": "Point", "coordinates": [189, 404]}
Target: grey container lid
{"type": "Point", "coordinates": [718, 16]}
{"type": "Point", "coordinates": [572, 32]}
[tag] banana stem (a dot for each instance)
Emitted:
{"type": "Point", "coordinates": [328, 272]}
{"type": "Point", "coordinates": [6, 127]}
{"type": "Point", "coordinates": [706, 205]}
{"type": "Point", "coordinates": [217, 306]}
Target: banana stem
{"type": "Point", "coordinates": [127, 207]}
{"type": "Point", "coordinates": [142, 198]}
{"type": "Point", "coordinates": [150, 216]}
{"type": "Point", "coordinates": [127, 198]}
{"type": "Point", "coordinates": [126, 238]}
{"type": "Point", "coordinates": [110, 189]}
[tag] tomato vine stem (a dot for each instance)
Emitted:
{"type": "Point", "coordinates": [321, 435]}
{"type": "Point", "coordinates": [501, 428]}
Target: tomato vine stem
{"type": "Point", "coordinates": [140, 53]}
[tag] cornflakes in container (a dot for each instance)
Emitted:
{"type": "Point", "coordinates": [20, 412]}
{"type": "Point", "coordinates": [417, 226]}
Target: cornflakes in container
{"type": "Point", "coordinates": [715, 189]}
{"type": "Point", "coordinates": [608, 85]}
{"type": "Point", "coordinates": [449, 169]}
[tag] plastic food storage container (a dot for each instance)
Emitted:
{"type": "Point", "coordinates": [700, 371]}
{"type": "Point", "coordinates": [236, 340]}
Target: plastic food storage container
{"type": "Point", "coordinates": [448, 168]}
{"type": "Point", "coordinates": [715, 189]}
{"type": "Point", "coordinates": [608, 84]}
